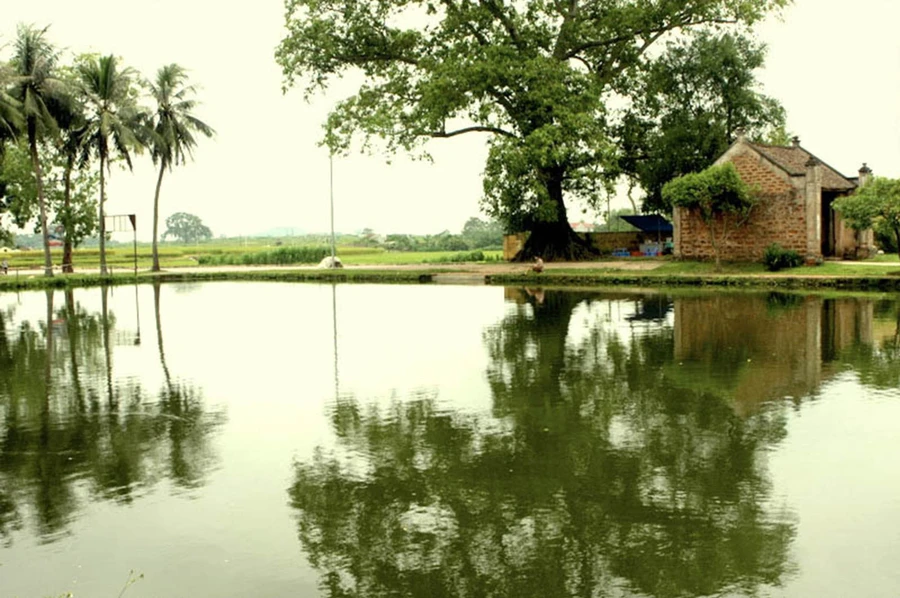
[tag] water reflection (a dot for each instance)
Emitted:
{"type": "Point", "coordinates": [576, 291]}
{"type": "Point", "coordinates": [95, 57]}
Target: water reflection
{"type": "Point", "coordinates": [606, 468]}
{"type": "Point", "coordinates": [74, 434]}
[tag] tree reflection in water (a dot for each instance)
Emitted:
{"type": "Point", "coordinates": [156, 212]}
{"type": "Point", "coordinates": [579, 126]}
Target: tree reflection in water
{"type": "Point", "coordinates": [599, 474]}
{"type": "Point", "coordinates": [73, 434]}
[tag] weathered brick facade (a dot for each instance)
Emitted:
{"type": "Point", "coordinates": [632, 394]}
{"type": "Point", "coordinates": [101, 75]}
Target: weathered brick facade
{"type": "Point", "coordinates": [790, 183]}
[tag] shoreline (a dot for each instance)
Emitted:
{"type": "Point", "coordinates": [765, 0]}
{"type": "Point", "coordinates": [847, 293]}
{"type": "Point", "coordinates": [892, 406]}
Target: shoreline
{"type": "Point", "coordinates": [580, 274]}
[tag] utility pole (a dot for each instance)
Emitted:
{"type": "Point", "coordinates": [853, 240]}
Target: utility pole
{"type": "Point", "coordinates": [331, 198]}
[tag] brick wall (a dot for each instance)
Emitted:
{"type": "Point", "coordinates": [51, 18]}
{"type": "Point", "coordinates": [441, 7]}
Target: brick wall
{"type": "Point", "coordinates": [607, 242]}
{"type": "Point", "coordinates": [778, 217]}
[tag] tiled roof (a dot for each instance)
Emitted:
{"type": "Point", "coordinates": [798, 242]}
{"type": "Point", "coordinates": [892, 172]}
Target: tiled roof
{"type": "Point", "coordinates": [793, 160]}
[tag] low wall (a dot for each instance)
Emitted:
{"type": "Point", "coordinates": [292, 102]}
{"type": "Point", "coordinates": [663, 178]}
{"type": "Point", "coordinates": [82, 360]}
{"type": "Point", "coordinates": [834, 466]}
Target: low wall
{"type": "Point", "coordinates": [604, 242]}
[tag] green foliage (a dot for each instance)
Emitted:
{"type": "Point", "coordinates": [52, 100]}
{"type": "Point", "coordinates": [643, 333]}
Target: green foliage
{"type": "Point", "coordinates": [876, 205]}
{"type": "Point", "coordinates": [465, 256]}
{"type": "Point", "coordinates": [694, 99]}
{"type": "Point", "coordinates": [76, 218]}
{"type": "Point", "coordinates": [714, 191]}
{"type": "Point", "coordinates": [533, 76]}
{"type": "Point", "coordinates": [186, 228]}
{"type": "Point", "coordinates": [777, 258]}
{"type": "Point", "coordinates": [17, 176]}
{"type": "Point", "coordinates": [444, 241]}
{"type": "Point", "coordinates": [722, 200]}
{"type": "Point", "coordinates": [481, 234]}
{"type": "Point", "coordinates": [281, 256]}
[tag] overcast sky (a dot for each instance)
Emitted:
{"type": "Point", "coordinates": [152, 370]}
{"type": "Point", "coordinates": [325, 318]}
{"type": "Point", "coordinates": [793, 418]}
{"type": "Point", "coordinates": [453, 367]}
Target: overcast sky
{"type": "Point", "coordinates": [835, 65]}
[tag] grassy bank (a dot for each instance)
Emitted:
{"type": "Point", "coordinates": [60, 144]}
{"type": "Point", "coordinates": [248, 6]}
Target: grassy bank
{"type": "Point", "coordinates": [122, 257]}
{"type": "Point", "coordinates": [884, 276]}
{"type": "Point", "coordinates": [347, 275]}
{"type": "Point", "coordinates": [881, 276]}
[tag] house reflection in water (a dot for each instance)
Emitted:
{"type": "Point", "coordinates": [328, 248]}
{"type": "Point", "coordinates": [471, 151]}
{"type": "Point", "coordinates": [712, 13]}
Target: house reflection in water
{"type": "Point", "coordinates": [780, 345]}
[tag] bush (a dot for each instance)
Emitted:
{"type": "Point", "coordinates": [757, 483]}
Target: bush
{"type": "Point", "coordinates": [465, 256]}
{"type": "Point", "coordinates": [280, 256]}
{"type": "Point", "coordinates": [777, 258]}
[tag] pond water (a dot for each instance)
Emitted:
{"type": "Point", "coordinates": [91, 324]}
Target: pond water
{"type": "Point", "coordinates": [268, 439]}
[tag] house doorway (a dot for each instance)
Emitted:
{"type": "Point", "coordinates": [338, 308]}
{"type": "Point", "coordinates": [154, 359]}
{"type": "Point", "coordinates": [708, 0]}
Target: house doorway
{"type": "Point", "coordinates": [829, 232]}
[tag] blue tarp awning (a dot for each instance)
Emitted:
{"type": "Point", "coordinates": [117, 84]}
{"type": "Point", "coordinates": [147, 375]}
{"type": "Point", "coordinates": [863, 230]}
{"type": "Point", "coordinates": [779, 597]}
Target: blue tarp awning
{"type": "Point", "coordinates": [651, 223]}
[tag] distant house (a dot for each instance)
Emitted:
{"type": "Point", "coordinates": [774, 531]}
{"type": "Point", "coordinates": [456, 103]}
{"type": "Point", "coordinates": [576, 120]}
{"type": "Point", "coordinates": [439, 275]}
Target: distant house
{"type": "Point", "coordinates": [795, 209]}
{"type": "Point", "coordinates": [582, 227]}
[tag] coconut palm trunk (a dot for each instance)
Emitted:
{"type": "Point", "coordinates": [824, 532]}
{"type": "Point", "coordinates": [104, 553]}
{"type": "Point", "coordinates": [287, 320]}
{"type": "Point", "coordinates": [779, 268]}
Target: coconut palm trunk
{"type": "Point", "coordinates": [67, 206]}
{"type": "Point", "coordinates": [42, 204]}
{"type": "Point", "coordinates": [103, 271]}
{"type": "Point", "coordinates": [162, 170]}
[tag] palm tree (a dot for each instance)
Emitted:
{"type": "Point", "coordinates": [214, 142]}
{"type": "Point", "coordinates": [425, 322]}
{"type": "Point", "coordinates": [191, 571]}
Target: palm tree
{"type": "Point", "coordinates": [173, 126]}
{"type": "Point", "coordinates": [112, 121]}
{"type": "Point", "coordinates": [38, 91]}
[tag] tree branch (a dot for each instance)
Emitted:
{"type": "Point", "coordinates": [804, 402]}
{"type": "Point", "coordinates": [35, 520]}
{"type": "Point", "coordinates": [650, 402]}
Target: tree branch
{"type": "Point", "coordinates": [363, 59]}
{"type": "Point", "coordinates": [497, 12]}
{"type": "Point", "coordinates": [472, 129]}
{"type": "Point", "coordinates": [654, 32]}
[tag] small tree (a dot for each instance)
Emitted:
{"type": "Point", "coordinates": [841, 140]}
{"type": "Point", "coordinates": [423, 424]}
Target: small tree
{"type": "Point", "coordinates": [876, 205]}
{"type": "Point", "coordinates": [70, 194]}
{"type": "Point", "coordinates": [719, 196]}
{"type": "Point", "coordinates": [187, 228]}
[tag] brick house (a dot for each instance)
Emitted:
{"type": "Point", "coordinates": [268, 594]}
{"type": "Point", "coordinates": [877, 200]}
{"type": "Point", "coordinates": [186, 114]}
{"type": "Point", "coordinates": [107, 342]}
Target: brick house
{"type": "Point", "coordinates": [796, 192]}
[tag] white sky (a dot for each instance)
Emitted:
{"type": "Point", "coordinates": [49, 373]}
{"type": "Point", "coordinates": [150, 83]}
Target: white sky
{"type": "Point", "coordinates": [834, 65]}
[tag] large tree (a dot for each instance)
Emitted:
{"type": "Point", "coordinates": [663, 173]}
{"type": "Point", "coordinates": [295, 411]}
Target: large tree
{"type": "Point", "coordinates": [113, 120]}
{"type": "Point", "coordinates": [39, 92]}
{"type": "Point", "coordinates": [692, 103]}
{"type": "Point", "coordinates": [173, 127]}
{"type": "Point", "coordinates": [535, 76]}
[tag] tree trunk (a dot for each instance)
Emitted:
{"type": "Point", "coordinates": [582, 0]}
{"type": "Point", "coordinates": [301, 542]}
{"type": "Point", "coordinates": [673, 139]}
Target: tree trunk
{"type": "Point", "coordinates": [555, 241]}
{"type": "Point", "coordinates": [897, 235]}
{"type": "Point", "coordinates": [68, 224]}
{"type": "Point", "coordinates": [103, 271]}
{"type": "Point", "coordinates": [162, 169]}
{"type": "Point", "coordinates": [39, 183]}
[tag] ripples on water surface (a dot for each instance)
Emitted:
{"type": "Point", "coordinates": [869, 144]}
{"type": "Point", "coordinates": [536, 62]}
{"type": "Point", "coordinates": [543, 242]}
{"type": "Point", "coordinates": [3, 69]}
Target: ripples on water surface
{"type": "Point", "coordinates": [237, 439]}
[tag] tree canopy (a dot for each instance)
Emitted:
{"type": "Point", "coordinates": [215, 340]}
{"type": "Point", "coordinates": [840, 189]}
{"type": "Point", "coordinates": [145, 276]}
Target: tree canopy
{"type": "Point", "coordinates": [876, 205]}
{"type": "Point", "coordinates": [692, 103]}
{"type": "Point", "coordinates": [536, 76]}
{"type": "Point", "coordinates": [187, 228]}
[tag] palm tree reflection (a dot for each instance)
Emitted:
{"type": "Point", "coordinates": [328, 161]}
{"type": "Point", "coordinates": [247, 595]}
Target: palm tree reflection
{"type": "Point", "coordinates": [74, 433]}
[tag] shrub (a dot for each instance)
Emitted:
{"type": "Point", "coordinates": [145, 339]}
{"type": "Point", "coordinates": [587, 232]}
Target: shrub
{"type": "Point", "coordinates": [279, 256]}
{"type": "Point", "coordinates": [777, 258]}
